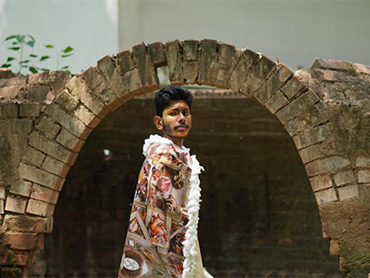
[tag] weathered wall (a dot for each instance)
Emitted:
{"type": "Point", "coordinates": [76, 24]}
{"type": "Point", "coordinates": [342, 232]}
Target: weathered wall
{"type": "Point", "coordinates": [325, 113]}
{"type": "Point", "coordinates": [259, 217]}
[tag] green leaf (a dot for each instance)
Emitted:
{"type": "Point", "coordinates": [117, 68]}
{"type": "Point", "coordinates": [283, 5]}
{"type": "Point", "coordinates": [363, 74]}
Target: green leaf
{"type": "Point", "coordinates": [43, 58]}
{"type": "Point", "coordinates": [24, 62]}
{"type": "Point", "coordinates": [30, 43]}
{"type": "Point", "coordinates": [66, 55]}
{"type": "Point", "coordinates": [43, 69]}
{"type": "Point", "coordinates": [5, 65]}
{"type": "Point", "coordinates": [14, 48]}
{"type": "Point", "coordinates": [10, 37]}
{"type": "Point", "coordinates": [49, 46]}
{"type": "Point", "coordinates": [67, 49]}
{"type": "Point", "coordinates": [33, 55]}
{"type": "Point", "coordinates": [65, 67]}
{"type": "Point", "coordinates": [10, 59]}
{"type": "Point", "coordinates": [33, 70]}
{"type": "Point", "coordinates": [20, 38]}
{"type": "Point", "coordinates": [69, 72]}
{"type": "Point", "coordinates": [14, 43]}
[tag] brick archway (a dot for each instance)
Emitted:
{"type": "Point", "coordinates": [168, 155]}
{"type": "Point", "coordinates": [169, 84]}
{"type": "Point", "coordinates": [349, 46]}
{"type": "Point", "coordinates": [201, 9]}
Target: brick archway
{"type": "Point", "coordinates": [55, 142]}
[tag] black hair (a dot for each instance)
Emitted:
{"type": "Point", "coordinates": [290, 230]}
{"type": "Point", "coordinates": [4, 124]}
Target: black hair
{"type": "Point", "coordinates": [170, 94]}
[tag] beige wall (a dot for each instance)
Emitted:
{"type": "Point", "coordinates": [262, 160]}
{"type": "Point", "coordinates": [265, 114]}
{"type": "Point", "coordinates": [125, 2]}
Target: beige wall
{"type": "Point", "coordinates": [295, 32]}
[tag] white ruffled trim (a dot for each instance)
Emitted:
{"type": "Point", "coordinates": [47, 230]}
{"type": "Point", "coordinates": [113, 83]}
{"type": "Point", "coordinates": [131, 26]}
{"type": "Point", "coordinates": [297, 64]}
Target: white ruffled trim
{"type": "Point", "coordinates": [192, 207]}
{"type": "Point", "coordinates": [155, 138]}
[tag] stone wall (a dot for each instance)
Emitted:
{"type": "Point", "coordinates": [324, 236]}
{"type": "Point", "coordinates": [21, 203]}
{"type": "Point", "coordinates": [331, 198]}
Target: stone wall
{"type": "Point", "coordinates": [46, 119]}
{"type": "Point", "coordinates": [258, 214]}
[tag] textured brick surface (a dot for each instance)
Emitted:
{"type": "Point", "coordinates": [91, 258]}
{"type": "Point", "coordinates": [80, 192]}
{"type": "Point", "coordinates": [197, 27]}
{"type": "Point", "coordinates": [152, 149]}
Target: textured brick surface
{"type": "Point", "coordinates": [344, 177]}
{"type": "Point", "coordinates": [84, 95]}
{"type": "Point", "coordinates": [294, 108]}
{"type": "Point", "coordinates": [273, 84]}
{"type": "Point", "coordinates": [49, 147]}
{"type": "Point", "coordinates": [24, 241]}
{"type": "Point", "coordinates": [70, 141]}
{"type": "Point", "coordinates": [124, 62]}
{"type": "Point", "coordinates": [363, 161]}
{"type": "Point", "coordinates": [21, 188]}
{"type": "Point", "coordinates": [40, 208]}
{"type": "Point", "coordinates": [66, 100]}
{"type": "Point", "coordinates": [246, 61]}
{"type": "Point", "coordinates": [292, 87]}
{"type": "Point", "coordinates": [326, 196]}
{"type": "Point", "coordinates": [15, 204]}
{"type": "Point", "coordinates": [364, 176]}
{"type": "Point", "coordinates": [72, 124]}
{"type": "Point", "coordinates": [29, 110]}
{"type": "Point", "coordinates": [174, 61]}
{"type": "Point", "coordinates": [25, 223]}
{"type": "Point", "coordinates": [144, 64]}
{"type": "Point", "coordinates": [34, 174]}
{"type": "Point", "coordinates": [48, 127]}
{"type": "Point", "coordinates": [13, 257]}
{"type": "Point", "coordinates": [326, 165]}
{"type": "Point", "coordinates": [33, 156]}
{"type": "Point", "coordinates": [86, 116]}
{"type": "Point", "coordinates": [207, 55]}
{"type": "Point", "coordinates": [8, 110]}
{"type": "Point", "coordinates": [223, 65]}
{"type": "Point", "coordinates": [156, 52]}
{"type": "Point", "coordinates": [263, 68]}
{"type": "Point", "coordinates": [313, 136]}
{"type": "Point", "coordinates": [55, 166]}
{"type": "Point", "coordinates": [321, 182]}
{"type": "Point", "coordinates": [44, 194]}
{"type": "Point", "coordinates": [277, 101]}
{"type": "Point", "coordinates": [348, 192]}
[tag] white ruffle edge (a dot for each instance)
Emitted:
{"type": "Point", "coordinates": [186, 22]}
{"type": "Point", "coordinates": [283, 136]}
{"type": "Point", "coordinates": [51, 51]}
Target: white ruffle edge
{"type": "Point", "coordinates": [191, 235]}
{"type": "Point", "coordinates": [192, 207]}
{"type": "Point", "coordinates": [155, 138]}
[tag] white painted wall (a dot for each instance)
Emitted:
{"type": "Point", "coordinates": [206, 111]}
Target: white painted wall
{"type": "Point", "coordinates": [89, 26]}
{"type": "Point", "coordinates": [296, 32]}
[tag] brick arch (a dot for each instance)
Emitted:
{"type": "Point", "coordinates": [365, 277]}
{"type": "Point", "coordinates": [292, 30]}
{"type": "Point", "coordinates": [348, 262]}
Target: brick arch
{"type": "Point", "coordinates": [61, 131]}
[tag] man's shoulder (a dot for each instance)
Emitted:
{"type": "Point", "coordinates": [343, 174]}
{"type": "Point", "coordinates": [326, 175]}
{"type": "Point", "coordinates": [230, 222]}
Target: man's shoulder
{"type": "Point", "coordinates": [168, 154]}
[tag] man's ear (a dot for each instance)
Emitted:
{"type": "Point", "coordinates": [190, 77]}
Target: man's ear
{"type": "Point", "coordinates": [158, 122]}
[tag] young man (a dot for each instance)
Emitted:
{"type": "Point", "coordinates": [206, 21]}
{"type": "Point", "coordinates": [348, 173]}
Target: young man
{"type": "Point", "coordinates": [162, 236]}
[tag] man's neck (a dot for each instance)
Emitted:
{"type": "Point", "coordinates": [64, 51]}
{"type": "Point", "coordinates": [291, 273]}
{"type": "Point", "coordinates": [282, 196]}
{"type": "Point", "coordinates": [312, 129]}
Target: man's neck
{"type": "Point", "coordinates": [176, 140]}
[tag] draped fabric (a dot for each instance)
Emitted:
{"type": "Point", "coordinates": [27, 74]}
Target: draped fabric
{"type": "Point", "coordinates": [162, 235]}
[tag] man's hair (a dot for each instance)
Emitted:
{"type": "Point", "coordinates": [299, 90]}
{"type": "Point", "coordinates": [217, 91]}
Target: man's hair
{"type": "Point", "coordinates": [166, 96]}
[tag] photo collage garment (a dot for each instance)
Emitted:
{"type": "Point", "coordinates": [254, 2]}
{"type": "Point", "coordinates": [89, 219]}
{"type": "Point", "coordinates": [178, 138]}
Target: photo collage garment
{"type": "Point", "coordinates": [154, 241]}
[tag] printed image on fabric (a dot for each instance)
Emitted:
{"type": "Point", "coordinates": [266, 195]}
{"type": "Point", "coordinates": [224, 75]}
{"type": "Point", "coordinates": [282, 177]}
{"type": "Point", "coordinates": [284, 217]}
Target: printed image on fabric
{"type": "Point", "coordinates": [176, 243]}
{"type": "Point", "coordinates": [137, 226]}
{"type": "Point", "coordinates": [176, 266]}
{"type": "Point", "coordinates": [158, 230]}
{"type": "Point", "coordinates": [142, 186]}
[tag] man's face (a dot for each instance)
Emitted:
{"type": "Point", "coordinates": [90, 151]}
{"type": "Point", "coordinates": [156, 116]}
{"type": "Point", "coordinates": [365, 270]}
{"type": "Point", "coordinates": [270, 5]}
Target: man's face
{"type": "Point", "coordinates": [176, 120]}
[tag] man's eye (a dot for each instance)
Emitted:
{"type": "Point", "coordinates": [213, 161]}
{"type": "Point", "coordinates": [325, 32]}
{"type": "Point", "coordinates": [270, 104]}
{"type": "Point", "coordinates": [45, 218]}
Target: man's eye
{"type": "Point", "coordinates": [172, 113]}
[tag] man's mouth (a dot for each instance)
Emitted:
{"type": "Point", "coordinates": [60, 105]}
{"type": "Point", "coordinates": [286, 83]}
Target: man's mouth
{"type": "Point", "coordinates": [181, 127]}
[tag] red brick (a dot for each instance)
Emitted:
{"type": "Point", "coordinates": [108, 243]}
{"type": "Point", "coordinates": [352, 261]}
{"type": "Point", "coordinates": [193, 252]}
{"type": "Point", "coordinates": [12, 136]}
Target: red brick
{"type": "Point", "coordinates": [25, 223]}
{"type": "Point", "coordinates": [40, 208]}
{"type": "Point", "coordinates": [24, 241]}
{"type": "Point", "coordinates": [44, 194]}
{"type": "Point", "coordinates": [13, 257]}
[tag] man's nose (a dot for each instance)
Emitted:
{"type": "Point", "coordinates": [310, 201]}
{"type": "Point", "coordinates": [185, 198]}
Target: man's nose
{"type": "Point", "coordinates": [182, 117]}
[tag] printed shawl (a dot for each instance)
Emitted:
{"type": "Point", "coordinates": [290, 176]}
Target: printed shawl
{"type": "Point", "coordinates": [162, 236]}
